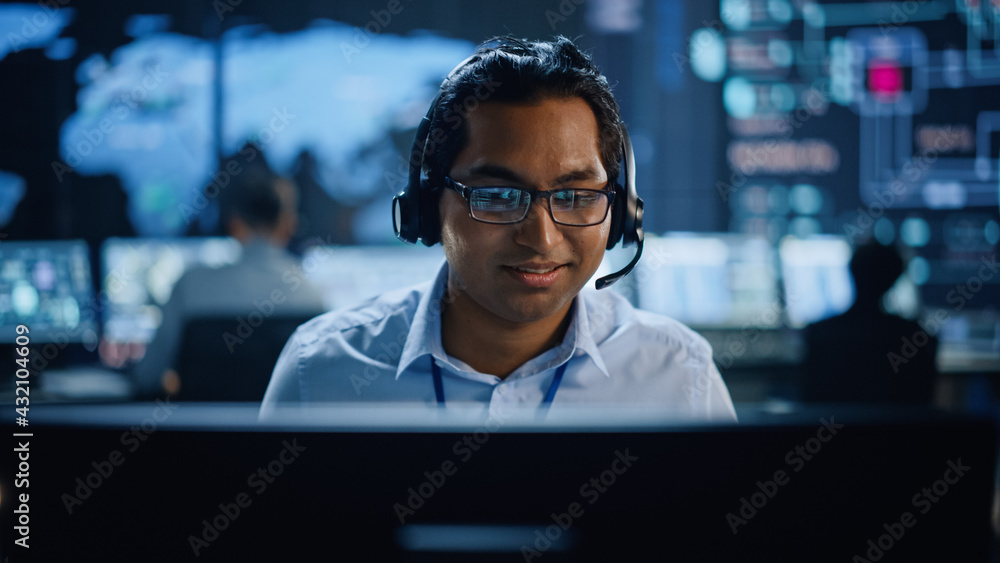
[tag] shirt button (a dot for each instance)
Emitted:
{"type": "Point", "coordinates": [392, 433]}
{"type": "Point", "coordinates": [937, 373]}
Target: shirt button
{"type": "Point", "coordinates": [501, 389]}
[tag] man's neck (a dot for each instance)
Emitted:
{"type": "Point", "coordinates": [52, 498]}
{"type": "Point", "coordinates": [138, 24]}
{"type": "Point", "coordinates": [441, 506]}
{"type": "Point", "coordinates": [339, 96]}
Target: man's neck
{"type": "Point", "coordinates": [493, 345]}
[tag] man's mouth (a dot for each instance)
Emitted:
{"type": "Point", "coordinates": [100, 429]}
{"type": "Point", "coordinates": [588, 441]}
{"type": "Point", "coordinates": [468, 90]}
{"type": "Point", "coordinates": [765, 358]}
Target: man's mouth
{"type": "Point", "coordinates": [535, 271]}
{"type": "Point", "coordinates": [537, 275]}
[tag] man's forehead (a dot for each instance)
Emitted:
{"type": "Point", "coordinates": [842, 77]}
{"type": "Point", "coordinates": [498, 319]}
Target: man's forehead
{"type": "Point", "coordinates": [559, 135]}
{"type": "Point", "coordinates": [486, 169]}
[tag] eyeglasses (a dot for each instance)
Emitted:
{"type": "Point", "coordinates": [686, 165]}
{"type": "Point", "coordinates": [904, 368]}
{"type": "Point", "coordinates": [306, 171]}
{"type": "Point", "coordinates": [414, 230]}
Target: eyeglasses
{"type": "Point", "coordinates": [506, 204]}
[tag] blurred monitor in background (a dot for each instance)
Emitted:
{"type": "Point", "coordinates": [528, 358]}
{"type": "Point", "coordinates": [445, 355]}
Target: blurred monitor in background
{"type": "Point", "coordinates": [712, 280]}
{"type": "Point", "coordinates": [138, 276]}
{"type": "Point", "coordinates": [815, 278]}
{"type": "Point", "coordinates": [817, 281]}
{"type": "Point", "coordinates": [348, 275]}
{"type": "Point", "coordinates": [47, 287]}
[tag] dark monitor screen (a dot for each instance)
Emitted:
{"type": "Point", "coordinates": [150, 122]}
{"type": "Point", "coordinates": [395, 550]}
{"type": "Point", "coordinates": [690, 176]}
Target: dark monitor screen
{"type": "Point", "coordinates": [138, 276]}
{"type": "Point", "coordinates": [47, 287]}
{"type": "Point", "coordinates": [155, 482]}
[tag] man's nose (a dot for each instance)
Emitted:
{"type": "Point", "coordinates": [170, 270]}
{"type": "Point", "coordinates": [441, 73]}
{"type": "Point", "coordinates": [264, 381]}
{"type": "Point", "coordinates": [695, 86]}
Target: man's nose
{"type": "Point", "coordinates": [538, 231]}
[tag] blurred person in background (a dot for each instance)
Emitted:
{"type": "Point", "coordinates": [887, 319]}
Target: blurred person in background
{"type": "Point", "coordinates": [867, 355]}
{"type": "Point", "coordinates": [257, 208]}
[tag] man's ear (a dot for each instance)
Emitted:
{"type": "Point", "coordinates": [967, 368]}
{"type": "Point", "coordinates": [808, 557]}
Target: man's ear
{"type": "Point", "coordinates": [288, 224]}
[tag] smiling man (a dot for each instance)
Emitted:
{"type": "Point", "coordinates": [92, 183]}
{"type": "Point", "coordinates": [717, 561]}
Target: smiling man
{"type": "Point", "coordinates": [521, 192]}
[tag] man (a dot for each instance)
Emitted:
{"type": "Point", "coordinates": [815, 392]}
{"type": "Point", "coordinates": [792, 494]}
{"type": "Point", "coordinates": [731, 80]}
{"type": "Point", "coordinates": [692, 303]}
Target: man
{"type": "Point", "coordinates": [505, 321]}
{"type": "Point", "coordinates": [259, 210]}
{"type": "Point", "coordinates": [859, 356]}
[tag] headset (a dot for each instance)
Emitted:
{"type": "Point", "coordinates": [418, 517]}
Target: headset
{"type": "Point", "coordinates": [415, 214]}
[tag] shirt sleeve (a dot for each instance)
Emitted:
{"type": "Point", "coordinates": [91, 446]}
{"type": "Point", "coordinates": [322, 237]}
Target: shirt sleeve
{"type": "Point", "coordinates": [285, 383]}
{"type": "Point", "coordinates": [719, 407]}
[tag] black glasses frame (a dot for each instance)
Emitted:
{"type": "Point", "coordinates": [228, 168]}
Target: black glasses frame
{"type": "Point", "coordinates": [533, 194]}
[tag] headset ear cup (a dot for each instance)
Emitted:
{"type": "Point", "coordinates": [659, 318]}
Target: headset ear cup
{"type": "Point", "coordinates": [430, 214]}
{"type": "Point", "coordinates": [632, 233]}
{"type": "Point", "coordinates": [618, 209]}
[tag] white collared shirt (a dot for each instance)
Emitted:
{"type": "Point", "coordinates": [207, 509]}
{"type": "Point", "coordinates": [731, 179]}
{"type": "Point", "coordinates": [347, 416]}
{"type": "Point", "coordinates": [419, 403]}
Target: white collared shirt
{"type": "Point", "coordinates": [381, 351]}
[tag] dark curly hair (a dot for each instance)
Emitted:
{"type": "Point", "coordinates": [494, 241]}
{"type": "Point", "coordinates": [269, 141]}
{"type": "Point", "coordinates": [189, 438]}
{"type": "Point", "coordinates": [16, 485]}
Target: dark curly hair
{"type": "Point", "coordinates": [506, 69]}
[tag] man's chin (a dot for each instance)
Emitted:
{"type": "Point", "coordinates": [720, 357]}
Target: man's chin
{"type": "Point", "coordinates": [530, 310]}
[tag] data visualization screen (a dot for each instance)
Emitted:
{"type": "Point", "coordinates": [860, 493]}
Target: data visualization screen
{"type": "Point", "coordinates": [867, 120]}
{"type": "Point", "coordinates": [47, 287]}
{"type": "Point", "coordinates": [139, 276]}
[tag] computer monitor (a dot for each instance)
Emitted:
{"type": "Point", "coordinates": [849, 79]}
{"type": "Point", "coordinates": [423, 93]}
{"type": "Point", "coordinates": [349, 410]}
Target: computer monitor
{"type": "Point", "coordinates": [815, 276]}
{"type": "Point", "coordinates": [710, 280]}
{"type": "Point", "coordinates": [349, 274]}
{"type": "Point", "coordinates": [817, 281]}
{"type": "Point", "coordinates": [138, 276]}
{"type": "Point", "coordinates": [156, 482]}
{"type": "Point", "coordinates": [47, 287]}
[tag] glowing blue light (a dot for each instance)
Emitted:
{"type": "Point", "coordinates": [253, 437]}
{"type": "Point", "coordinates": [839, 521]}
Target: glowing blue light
{"type": "Point", "coordinates": [737, 14]}
{"type": "Point", "coordinates": [740, 98]}
{"type": "Point", "coordinates": [780, 53]}
{"type": "Point", "coordinates": [806, 199]}
{"type": "Point", "coordinates": [919, 270]}
{"type": "Point", "coordinates": [885, 231]}
{"type": "Point", "coordinates": [915, 232]}
{"type": "Point", "coordinates": [708, 55]}
{"type": "Point", "coordinates": [992, 232]}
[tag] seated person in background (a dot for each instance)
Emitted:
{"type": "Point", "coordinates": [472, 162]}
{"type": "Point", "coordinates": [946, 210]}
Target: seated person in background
{"type": "Point", "coordinates": [259, 210]}
{"type": "Point", "coordinates": [519, 191]}
{"type": "Point", "coordinates": [860, 356]}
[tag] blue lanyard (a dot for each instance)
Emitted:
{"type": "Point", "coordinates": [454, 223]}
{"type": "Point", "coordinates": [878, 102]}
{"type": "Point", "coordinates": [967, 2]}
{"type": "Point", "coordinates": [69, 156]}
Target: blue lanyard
{"type": "Point", "coordinates": [549, 395]}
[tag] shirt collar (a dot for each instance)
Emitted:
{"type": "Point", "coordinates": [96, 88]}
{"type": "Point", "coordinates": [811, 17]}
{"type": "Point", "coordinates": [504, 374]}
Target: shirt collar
{"type": "Point", "coordinates": [583, 334]}
{"type": "Point", "coordinates": [424, 337]}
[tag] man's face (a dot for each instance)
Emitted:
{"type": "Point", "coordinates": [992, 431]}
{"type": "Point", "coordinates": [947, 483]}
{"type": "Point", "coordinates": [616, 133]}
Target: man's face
{"type": "Point", "coordinates": [533, 269]}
